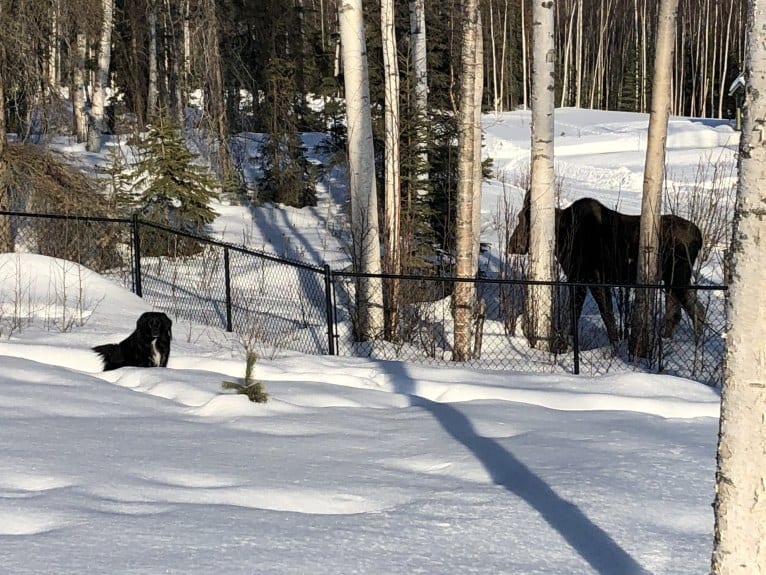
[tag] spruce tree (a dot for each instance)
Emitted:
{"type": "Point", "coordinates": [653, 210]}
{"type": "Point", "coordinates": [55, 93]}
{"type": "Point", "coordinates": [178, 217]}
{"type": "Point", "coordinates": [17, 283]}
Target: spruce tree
{"type": "Point", "coordinates": [174, 190]}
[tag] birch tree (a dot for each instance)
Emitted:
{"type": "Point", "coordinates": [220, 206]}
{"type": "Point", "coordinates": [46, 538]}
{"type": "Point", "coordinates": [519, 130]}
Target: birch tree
{"type": "Point", "coordinates": [538, 305]}
{"type": "Point", "coordinates": [524, 56]}
{"type": "Point", "coordinates": [478, 92]}
{"type": "Point", "coordinates": [361, 167]}
{"type": "Point", "coordinates": [643, 331]}
{"type": "Point", "coordinates": [54, 55]}
{"type": "Point", "coordinates": [5, 222]}
{"type": "Point", "coordinates": [101, 79]}
{"type": "Point", "coordinates": [465, 266]}
{"type": "Point", "coordinates": [152, 94]}
{"type": "Point", "coordinates": [740, 504]}
{"type": "Point", "coordinates": [79, 114]}
{"type": "Point", "coordinates": [391, 142]}
{"type": "Point", "coordinates": [420, 77]}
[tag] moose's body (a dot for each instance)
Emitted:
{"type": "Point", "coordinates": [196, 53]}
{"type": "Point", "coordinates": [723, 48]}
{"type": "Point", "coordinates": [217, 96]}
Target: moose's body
{"type": "Point", "coordinates": [597, 245]}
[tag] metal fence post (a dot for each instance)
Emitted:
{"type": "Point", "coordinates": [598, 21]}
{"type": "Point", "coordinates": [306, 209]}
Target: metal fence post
{"type": "Point", "coordinates": [575, 330]}
{"type": "Point", "coordinates": [328, 287]}
{"type": "Point", "coordinates": [227, 284]}
{"type": "Point", "coordinates": [136, 256]}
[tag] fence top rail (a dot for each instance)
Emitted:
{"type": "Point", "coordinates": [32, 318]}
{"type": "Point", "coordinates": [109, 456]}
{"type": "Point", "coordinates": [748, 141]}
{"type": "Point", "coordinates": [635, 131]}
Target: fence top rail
{"type": "Point", "coordinates": [348, 274]}
{"type": "Point", "coordinates": [233, 247]}
{"type": "Point", "coordinates": [66, 217]}
{"type": "Point", "coordinates": [143, 222]}
{"type": "Point", "coordinates": [519, 281]}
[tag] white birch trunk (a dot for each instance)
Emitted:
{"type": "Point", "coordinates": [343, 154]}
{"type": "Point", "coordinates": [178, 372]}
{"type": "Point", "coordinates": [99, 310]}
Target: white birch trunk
{"type": "Point", "coordinates": [503, 56]}
{"type": "Point", "coordinates": [538, 305]}
{"type": "Point", "coordinates": [643, 333]}
{"type": "Point", "coordinates": [740, 505]}
{"type": "Point", "coordinates": [55, 53]}
{"type": "Point", "coordinates": [723, 88]}
{"type": "Point", "coordinates": [464, 235]}
{"type": "Point", "coordinates": [391, 141]}
{"type": "Point", "coordinates": [420, 74]}
{"type": "Point", "coordinates": [361, 163]}
{"type": "Point", "coordinates": [78, 89]}
{"type": "Point", "coordinates": [186, 73]}
{"type": "Point", "coordinates": [524, 58]}
{"type": "Point", "coordinates": [644, 49]}
{"type": "Point", "coordinates": [579, 56]}
{"type": "Point", "coordinates": [152, 96]}
{"type": "Point", "coordinates": [567, 57]}
{"type": "Point", "coordinates": [98, 105]}
{"type": "Point", "coordinates": [5, 223]}
{"type": "Point", "coordinates": [495, 88]}
{"type": "Point", "coordinates": [478, 93]}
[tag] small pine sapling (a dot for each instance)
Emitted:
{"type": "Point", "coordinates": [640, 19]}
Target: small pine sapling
{"type": "Point", "coordinates": [252, 389]}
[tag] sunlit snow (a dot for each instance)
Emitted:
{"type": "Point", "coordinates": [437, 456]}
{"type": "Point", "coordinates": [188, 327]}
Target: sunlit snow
{"type": "Point", "coordinates": [354, 465]}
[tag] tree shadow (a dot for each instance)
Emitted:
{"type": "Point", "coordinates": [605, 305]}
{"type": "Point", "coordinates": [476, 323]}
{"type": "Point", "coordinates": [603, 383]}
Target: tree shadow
{"type": "Point", "coordinates": [589, 540]}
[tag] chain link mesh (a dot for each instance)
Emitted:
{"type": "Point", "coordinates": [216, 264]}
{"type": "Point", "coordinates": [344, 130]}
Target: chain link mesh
{"type": "Point", "coordinates": [420, 328]}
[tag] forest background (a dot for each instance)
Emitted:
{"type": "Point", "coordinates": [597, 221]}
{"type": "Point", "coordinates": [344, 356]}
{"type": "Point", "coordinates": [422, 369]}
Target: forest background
{"type": "Point", "coordinates": [273, 67]}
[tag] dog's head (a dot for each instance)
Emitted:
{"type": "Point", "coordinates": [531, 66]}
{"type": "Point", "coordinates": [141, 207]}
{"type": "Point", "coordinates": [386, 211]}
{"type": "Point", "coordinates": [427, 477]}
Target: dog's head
{"type": "Point", "coordinates": [154, 325]}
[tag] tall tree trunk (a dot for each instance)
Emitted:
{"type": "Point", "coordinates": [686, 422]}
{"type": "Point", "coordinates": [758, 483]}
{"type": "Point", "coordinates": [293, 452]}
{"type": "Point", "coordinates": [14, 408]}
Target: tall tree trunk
{"type": "Point", "coordinates": [579, 57]}
{"type": "Point", "coordinates": [361, 166]}
{"type": "Point", "coordinates": [5, 200]}
{"type": "Point", "coordinates": [392, 193]}
{"type": "Point", "coordinates": [214, 92]}
{"type": "Point", "coordinates": [464, 235]}
{"type": "Point", "coordinates": [503, 55]}
{"type": "Point", "coordinates": [644, 49]}
{"type": "Point", "coordinates": [186, 67]}
{"type": "Point", "coordinates": [478, 92]}
{"type": "Point", "coordinates": [420, 74]}
{"type": "Point", "coordinates": [152, 95]}
{"type": "Point", "coordinates": [643, 332]}
{"type": "Point", "coordinates": [175, 46]}
{"type": "Point", "coordinates": [98, 106]}
{"type": "Point", "coordinates": [740, 504]}
{"type": "Point", "coordinates": [538, 305]}
{"type": "Point", "coordinates": [565, 89]}
{"type": "Point", "coordinates": [524, 58]}
{"type": "Point", "coordinates": [495, 87]}
{"type": "Point", "coordinates": [723, 88]}
{"type": "Point", "coordinates": [79, 113]}
{"type": "Point", "coordinates": [54, 51]}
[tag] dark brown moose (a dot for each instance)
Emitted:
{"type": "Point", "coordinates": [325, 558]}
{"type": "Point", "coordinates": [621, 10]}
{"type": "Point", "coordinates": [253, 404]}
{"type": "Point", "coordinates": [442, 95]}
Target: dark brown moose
{"type": "Point", "coordinates": [600, 246]}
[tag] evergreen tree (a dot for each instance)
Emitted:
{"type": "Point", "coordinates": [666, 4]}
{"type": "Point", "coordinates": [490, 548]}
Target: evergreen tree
{"type": "Point", "coordinates": [173, 189]}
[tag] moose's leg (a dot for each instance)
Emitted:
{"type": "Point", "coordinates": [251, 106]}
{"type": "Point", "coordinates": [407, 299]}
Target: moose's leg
{"type": "Point", "coordinates": [603, 297]}
{"type": "Point", "coordinates": [695, 310]}
{"type": "Point", "coordinates": [672, 313]}
{"type": "Point", "coordinates": [579, 300]}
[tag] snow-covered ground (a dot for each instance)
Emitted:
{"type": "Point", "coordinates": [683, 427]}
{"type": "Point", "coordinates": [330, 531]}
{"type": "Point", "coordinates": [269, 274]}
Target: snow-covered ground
{"type": "Point", "coordinates": [354, 465]}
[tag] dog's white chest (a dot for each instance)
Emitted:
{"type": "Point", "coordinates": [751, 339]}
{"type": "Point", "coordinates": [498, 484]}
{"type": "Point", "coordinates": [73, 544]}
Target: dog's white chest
{"type": "Point", "coordinates": [156, 355]}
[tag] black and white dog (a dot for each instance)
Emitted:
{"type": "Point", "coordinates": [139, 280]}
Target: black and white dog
{"type": "Point", "coordinates": [147, 346]}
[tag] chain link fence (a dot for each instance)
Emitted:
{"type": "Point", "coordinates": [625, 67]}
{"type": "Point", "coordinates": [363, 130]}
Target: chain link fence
{"type": "Point", "coordinates": [420, 328]}
{"type": "Point", "coordinates": [277, 304]}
